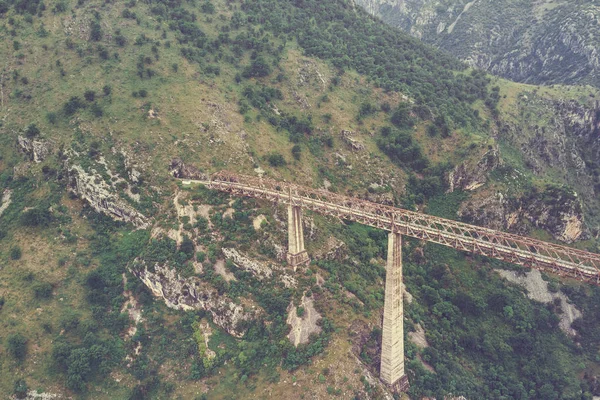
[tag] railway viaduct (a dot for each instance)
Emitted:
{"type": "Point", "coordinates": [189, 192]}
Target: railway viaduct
{"type": "Point", "coordinates": [532, 253]}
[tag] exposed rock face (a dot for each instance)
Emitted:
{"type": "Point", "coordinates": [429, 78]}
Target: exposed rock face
{"type": "Point", "coordinates": [179, 169]}
{"type": "Point", "coordinates": [193, 294]}
{"type": "Point", "coordinates": [525, 41]}
{"type": "Point", "coordinates": [348, 138]}
{"type": "Point", "coordinates": [305, 325]}
{"type": "Point", "coordinates": [260, 270]}
{"type": "Point", "coordinates": [555, 210]}
{"type": "Point", "coordinates": [559, 139]}
{"type": "Point", "coordinates": [5, 200]}
{"type": "Point", "coordinates": [471, 177]}
{"type": "Point", "coordinates": [37, 150]}
{"type": "Point", "coordinates": [101, 197]}
{"type": "Point", "coordinates": [537, 289]}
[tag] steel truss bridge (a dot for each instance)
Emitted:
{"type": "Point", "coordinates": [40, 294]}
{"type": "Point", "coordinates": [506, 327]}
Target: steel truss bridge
{"type": "Point", "coordinates": [521, 250]}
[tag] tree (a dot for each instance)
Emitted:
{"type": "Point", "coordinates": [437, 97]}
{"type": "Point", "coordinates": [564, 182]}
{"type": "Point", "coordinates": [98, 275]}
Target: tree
{"type": "Point", "coordinates": [296, 151]}
{"type": "Point", "coordinates": [89, 95]}
{"type": "Point", "coordinates": [95, 31]}
{"type": "Point", "coordinates": [207, 7]}
{"type": "Point", "coordinates": [15, 253]}
{"type": "Point", "coordinates": [259, 68]}
{"type": "Point", "coordinates": [17, 346]}
{"type": "Point", "coordinates": [20, 389]}
{"type": "Point", "coordinates": [73, 105]}
{"type": "Point", "coordinates": [36, 217]}
{"type": "Point", "coordinates": [32, 131]}
{"type": "Point", "coordinates": [276, 160]}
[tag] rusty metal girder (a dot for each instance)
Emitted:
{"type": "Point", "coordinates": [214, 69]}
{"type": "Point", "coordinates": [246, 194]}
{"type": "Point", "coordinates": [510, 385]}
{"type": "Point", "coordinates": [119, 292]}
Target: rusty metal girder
{"type": "Point", "coordinates": [563, 260]}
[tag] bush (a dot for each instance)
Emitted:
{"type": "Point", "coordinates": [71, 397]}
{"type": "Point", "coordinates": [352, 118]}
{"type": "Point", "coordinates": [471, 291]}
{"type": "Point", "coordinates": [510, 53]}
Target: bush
{"type": "Point", "coordinates": [32, 131]}
{"type": "Point", "coordinates": [36, 217]}
{"type": "Point", "coordinates": [107, 89]}
{"type": "Point", "coordinates": [276, 160]}
{"type": "Point", "coordinates": [42, 290]}
{"type": "Point", "coordinates": [207, 7]}
{"type": "Point", "coordinates": [96, 31]}
{"type": "Point", "coordinates": [258, 68]}
{"type": "Point", "coordinates": [20, 389]}
{"type": "Point", "coordinates": [73, 105]}
{"type": "Point", "coordinates": [89, 95]}
{"type": "Point", "coordinates": [296, 151]}
{"type": "Point", "coordinates": [97, 110]}
{"type": "Point", "coordinates": [15, 253]}
{"type": "Point", "coordinates": [51, 117]}
{"type": "Point", "coordinates": [16, 345]}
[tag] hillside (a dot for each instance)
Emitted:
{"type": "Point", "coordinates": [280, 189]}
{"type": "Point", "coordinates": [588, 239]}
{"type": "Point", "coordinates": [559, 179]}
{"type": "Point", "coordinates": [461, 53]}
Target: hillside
{"type": "Point", "coordinates": [544, 42]}
{"type": "Point", "coordinates": [118, 282]}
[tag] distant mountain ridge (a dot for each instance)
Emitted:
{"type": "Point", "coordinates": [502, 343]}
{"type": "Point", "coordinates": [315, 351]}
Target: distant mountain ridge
{"type": "Point", "coordinates": [543, 42]}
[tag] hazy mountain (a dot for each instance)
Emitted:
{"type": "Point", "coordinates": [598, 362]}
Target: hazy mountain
{"type": "Point", "coordinates": [539, 42]}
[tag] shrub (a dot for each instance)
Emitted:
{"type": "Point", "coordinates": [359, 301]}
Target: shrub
{"type": "Point", "coordinates": [208, 7]}
{"type": "Point", "coordinates": [296, 151]}
{"type": "Point", "coordinates": [107, 89]}
{"type": "Point", "coordinates": [20, 389]}
{"type": "Point", "coordinates": [32, 131]}
{"type": "Point", "coordinates": [89, 95]}
{"type": "Point", "coordinates": [97, 110]}
{"type": "Point", "coordinates": [36, 217]}
{"type": "Point", "coordinates": [15, 253]}
{"type": "Point", "coordinates": [16, 345]}
{"type": "Point", "coordinates": [276, 160]}
{"type": "Point", "coordinates": [73, 105]}
{"type": "Point", "coordinates": [258, 68]}
{"type": "Point", "coordinates": [143, 93]}
{"type": "Point", "coordinates": [96, 31]}
{"type": "Point", "coordinates": [51, 117]}
{"type": "Point", "coordinates": [42, 290]}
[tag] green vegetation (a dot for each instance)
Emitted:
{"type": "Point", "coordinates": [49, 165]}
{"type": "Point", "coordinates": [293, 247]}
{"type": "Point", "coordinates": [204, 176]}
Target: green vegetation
{"type": "Point", "coordinates": [242, 86]}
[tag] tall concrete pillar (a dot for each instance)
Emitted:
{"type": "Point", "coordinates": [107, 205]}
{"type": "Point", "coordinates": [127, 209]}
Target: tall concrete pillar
{"type": "Point", "coordinates": [392, 346]}
{"type": "Point", "coordinates": [296, 254]}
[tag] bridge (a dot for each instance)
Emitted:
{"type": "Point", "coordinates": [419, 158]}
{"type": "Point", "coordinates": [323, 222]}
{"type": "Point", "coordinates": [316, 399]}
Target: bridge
{"type": "Point", "coordinates": [554, 258]}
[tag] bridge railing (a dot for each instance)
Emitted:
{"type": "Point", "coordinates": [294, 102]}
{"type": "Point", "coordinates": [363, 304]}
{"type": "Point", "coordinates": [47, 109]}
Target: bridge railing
{"type": "Point", "coordinates": [508, 247]}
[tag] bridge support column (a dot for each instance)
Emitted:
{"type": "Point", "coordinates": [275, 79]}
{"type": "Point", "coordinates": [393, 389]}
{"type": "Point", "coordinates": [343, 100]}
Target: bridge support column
{"type": "Point", "coordinates": [296, 254]}
{"type": "Point", "coordinates": [392, 346]}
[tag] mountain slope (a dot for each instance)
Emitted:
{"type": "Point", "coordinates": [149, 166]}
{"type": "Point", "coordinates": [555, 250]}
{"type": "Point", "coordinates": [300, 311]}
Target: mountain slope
{"type": "Point", "coordinates": [118, 282]}
{"type": "Point", "coordinates": [544, 42]}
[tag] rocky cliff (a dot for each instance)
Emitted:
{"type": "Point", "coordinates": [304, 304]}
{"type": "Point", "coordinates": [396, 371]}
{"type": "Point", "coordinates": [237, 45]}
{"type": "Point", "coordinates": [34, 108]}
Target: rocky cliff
{"type": "Point", "coordinates": [556, 210]}
{"type": "Point", "coordinates": [194, 294]}
{"type": "Point", "coordinates": [534, 42]}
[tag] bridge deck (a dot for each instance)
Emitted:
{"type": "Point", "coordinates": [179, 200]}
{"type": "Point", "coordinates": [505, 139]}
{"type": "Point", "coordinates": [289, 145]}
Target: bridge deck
{"type": "Point", "coordinates": [503, 246]}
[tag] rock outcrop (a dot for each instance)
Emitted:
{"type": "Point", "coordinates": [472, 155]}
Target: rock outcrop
{"type": "Point", "coordinates": [555, 210]}
{"type": "Point", "coordinates": [471, 177]}
{"type": "Point", "coordinates": [5, 200]}
{"type": "Point", "coordinates": [179, 169]}
{"type": "Point", "coordinates": [102, 198]}
{"type": "Point", "coordinates": [37, 150]}
{"type": "Point", "coordinates": [258, 269]}
{"type": "Point", "coordinates": [193, 294]}
{"type": "Point", "coordinates": [537, 289]}
{"type": "Point", "coordinates": [304, 322]}
{"type": "Point", "coordinates": [351, 141]}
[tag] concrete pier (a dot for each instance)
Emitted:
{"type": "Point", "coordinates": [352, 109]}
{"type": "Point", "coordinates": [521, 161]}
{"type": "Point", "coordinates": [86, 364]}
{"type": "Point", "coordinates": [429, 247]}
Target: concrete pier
{"type": "Point", "coordinates": [392, 347]}
{"type": "Point", "coordinates": [296, 254]}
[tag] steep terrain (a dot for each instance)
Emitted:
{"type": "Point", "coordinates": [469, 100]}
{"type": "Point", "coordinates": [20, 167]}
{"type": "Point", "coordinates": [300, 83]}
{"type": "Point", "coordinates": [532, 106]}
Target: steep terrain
{"type": "Point", "coordinates": [541, 42]}
{"type": "Point", "coordinates": [117, 281]}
